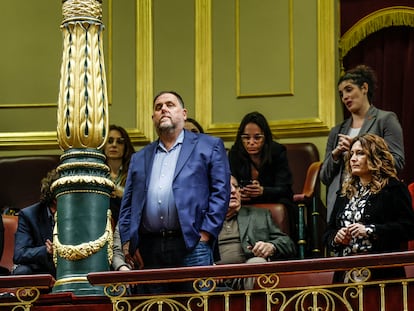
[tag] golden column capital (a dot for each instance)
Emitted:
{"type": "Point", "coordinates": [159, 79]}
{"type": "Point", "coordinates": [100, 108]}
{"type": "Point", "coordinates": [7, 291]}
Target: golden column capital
{"type": "Point", "coordinates": [82, 117]}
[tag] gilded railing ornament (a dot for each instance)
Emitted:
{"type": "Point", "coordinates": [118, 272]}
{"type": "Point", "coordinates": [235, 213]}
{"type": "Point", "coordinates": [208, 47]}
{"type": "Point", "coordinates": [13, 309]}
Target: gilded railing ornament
{"type": "Point", "coordinates": [84, 250]}
{"type": "Point", "coordinates": [356, 275]}
{"type": "Point", "coordinates": [267, 281]}
{"type": "Point", "coordinates": [25, 299]}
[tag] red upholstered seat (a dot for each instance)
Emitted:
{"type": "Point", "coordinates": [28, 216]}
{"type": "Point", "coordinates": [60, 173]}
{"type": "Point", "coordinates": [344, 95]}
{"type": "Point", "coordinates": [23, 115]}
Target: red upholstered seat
{"type": "Point", "coordinates": [279, 215]}
{"type": "Point", "coordinates": [10, 227]}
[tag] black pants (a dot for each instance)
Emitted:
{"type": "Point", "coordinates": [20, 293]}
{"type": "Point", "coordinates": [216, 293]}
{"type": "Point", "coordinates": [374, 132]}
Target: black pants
{"type": "Point", "coordinates": [162, 252]}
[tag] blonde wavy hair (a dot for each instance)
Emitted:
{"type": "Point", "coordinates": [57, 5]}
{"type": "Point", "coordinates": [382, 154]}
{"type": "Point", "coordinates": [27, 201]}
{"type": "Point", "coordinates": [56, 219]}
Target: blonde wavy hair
{"type": "Point", "coordinates": [380, 164]}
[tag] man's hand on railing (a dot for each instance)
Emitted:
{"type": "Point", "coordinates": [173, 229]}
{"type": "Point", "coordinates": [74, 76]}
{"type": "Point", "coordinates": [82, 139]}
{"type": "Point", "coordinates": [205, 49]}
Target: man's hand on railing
{"type": "Point", "coordinates": [138, 262]}
{"type": "Point", "coordinates": [135, 261]}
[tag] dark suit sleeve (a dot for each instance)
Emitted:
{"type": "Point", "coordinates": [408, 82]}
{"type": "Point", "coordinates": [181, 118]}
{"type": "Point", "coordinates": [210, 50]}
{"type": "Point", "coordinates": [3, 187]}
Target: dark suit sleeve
{"type": "Point", "coordinates": [27, 250]}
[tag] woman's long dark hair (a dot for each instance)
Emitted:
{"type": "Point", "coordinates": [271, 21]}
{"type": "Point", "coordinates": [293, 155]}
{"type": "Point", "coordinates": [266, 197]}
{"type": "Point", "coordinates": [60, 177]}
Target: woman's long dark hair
{"type": "Point", "coordinates": [128, 150]}
{"type": "Point", "coordinates": [258, 119]}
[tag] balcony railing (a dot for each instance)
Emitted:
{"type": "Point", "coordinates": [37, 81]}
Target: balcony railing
{"type": "Point", "coordinates": [284, 285]}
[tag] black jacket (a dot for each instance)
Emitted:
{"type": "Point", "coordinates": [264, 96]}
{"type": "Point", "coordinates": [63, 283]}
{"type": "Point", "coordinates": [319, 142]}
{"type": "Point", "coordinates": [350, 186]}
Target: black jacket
{"type": "Point", "coordinates": [276, 178]}
{"type": "Point", "coordinates": [391, 213]}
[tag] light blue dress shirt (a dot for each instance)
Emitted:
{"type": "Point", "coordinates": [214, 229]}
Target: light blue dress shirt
{"type": "Point", "coordinates": [160, 212]}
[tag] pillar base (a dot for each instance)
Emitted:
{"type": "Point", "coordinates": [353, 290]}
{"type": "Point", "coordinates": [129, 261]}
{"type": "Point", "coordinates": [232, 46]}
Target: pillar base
{"type": "Point", "coordinates": [78, 285]}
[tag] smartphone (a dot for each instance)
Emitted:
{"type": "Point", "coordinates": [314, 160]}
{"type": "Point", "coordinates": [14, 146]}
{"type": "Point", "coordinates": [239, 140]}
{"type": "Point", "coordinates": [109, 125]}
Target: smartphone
{"type": "Point", "coordinates": [244, 182]}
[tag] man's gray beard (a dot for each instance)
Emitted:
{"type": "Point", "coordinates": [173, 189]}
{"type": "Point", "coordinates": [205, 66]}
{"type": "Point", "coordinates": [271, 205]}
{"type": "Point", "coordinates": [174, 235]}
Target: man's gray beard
{"type": "Point", "coordinates": [166, 129]}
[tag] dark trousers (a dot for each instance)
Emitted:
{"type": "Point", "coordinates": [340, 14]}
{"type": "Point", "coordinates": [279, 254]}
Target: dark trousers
{"type": "Point", "coordinates": [171, 252]}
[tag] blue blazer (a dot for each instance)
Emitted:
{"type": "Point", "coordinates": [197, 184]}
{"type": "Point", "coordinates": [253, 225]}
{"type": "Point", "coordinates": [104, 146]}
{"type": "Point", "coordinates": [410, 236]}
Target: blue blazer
{"type": "Point", "coordinates": [201, 188]}
{"type": "Point", "coordinates": [34, 227]}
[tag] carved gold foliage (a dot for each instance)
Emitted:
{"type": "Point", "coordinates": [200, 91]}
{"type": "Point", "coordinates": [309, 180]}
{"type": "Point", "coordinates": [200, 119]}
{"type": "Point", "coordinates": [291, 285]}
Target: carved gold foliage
{"type": "Point", "coordinates": [82, 117]}
{"type": "Point", "coordinates": [82, 107]}
{"type": "Point", "coordinates": [84, 165]}
{"type": "Point", "coordinates": [82, 179]}
{"type": "Point", "coordinates": [84, 250]}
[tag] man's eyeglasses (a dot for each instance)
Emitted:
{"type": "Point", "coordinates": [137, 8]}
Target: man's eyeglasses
{"type": "Point", "coordinates": [256, 138]}
{"type": "Point", "coordinates": [118, 140]}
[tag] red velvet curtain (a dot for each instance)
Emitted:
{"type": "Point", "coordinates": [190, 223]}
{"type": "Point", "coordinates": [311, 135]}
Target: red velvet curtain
{"type": "Point", "coordinates": [390, 52]}
{"type": "Point", "coordinates": [354, 10]}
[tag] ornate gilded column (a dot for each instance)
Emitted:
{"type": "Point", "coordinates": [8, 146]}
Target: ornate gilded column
{"type": "Point", "coordinates": [82, 235]}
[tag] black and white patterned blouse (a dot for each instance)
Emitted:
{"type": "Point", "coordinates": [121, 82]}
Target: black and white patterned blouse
{"type": "Point", "coordinates": [353, 213]}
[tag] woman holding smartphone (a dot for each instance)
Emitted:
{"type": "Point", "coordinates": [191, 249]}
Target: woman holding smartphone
{"type": "Point", "coordinates": [261, 165]}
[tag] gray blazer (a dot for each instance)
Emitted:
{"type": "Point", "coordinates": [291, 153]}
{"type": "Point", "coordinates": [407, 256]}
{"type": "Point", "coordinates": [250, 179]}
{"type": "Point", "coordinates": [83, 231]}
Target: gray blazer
{"type": "Point", "coordinates": [256, 224]}
{"type": "Point", "coordinates": [118, 259]}
{"type": "Point", "coordinates": [377, 121]}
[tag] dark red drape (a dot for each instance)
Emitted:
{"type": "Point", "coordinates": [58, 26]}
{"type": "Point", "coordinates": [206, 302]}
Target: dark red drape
{"type": "Point", "coordinates": [390, 52]}
{"type": "Point", "coordinates": [354, 10]}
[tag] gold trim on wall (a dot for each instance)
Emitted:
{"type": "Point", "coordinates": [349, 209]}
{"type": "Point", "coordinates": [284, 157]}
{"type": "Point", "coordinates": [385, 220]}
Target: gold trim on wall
{"type": "Point", "coordinates": [28, 140]}
{"type": "Point", "coordinates": [203, 62]}
{"type": "Point", "coordinates": [326, 64]}
{"type": "Point", "coordinates": [318, 125]}
{"type": "Point", "coordinates": [48, 139]}
{"type": "Point", "coordinates": [108, 74]}
{"type": "Point", "coordinates": [238, 58]}
{"type": "Point", "coordinates": [29, 105]}
{"type": "Point", "coordinates": [110, 53]}
{"type": "Point", "coordinates": [144, 132]}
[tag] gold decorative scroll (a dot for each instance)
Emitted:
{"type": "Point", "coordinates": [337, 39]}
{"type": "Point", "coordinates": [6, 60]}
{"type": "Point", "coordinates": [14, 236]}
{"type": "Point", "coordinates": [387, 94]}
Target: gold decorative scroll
{"type": "Point", "coordinates": [84, 250]}
{"type": "Point", "coordinates": [82, 117]}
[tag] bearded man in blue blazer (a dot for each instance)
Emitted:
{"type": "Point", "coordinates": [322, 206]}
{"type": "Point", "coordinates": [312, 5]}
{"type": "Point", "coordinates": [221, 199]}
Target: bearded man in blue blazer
{"type": "Point", "coordinates": [176, 194]}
